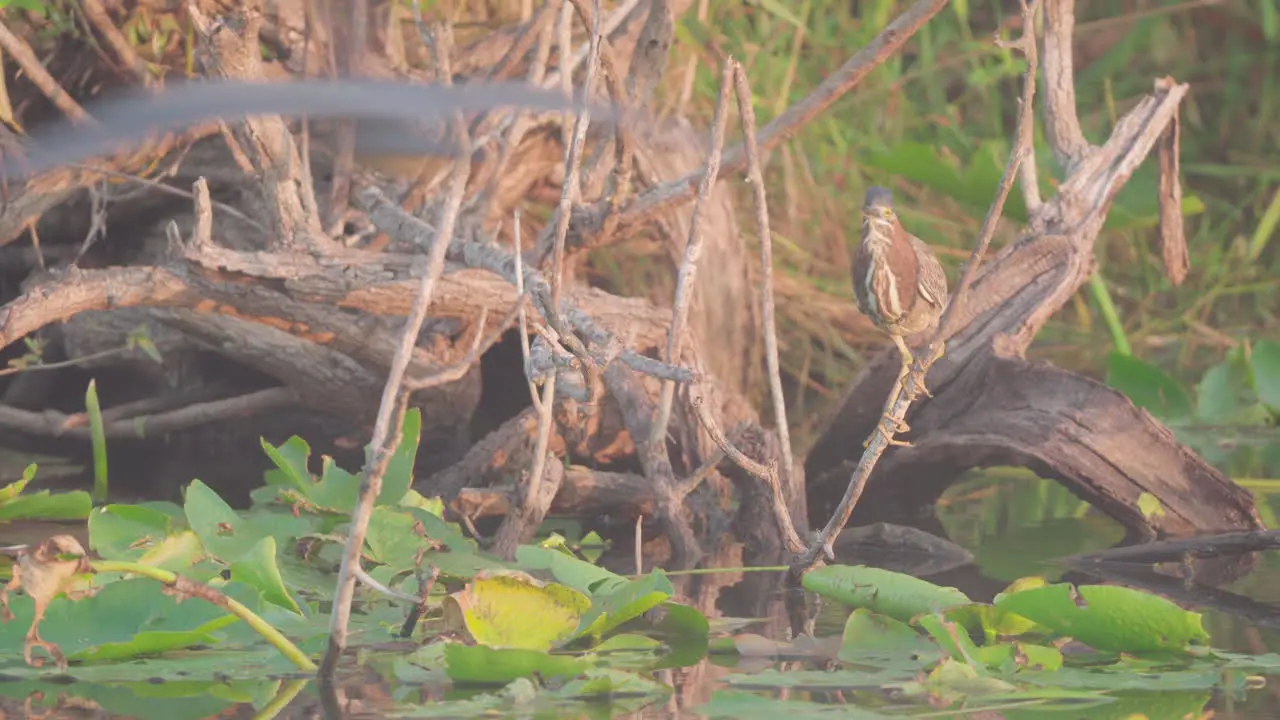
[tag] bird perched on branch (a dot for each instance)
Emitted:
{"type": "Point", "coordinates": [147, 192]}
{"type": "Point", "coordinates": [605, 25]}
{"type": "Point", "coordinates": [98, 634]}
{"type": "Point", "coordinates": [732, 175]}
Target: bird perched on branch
{"type": "Point", "coordinates": [897, 279]}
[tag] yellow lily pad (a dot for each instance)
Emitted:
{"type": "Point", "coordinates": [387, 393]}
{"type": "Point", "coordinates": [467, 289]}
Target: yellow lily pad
{"type": "Point", "coordinates": [507, 609]}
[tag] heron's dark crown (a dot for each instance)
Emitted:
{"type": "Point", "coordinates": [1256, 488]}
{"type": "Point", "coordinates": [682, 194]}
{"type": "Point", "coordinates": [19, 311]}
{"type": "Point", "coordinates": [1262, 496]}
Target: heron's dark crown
{"type": "Point", "coordinates": [878, 197]}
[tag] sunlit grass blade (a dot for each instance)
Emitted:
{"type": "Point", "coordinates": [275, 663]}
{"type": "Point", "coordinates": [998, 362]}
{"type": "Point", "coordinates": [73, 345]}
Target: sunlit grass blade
{"type": "Point", "coordinates": [98, 436]}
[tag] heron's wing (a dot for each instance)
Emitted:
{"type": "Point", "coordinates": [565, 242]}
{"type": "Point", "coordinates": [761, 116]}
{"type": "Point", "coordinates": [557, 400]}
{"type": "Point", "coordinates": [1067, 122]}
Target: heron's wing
{"type": "Point", "coordinates": [861, 283]}
{"type": "Point", "coordinates": [931, 281]}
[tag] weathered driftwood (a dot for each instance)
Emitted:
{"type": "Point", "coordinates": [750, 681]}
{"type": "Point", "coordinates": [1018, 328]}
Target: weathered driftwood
{"type": "Point", "coordinates": [993, 407]}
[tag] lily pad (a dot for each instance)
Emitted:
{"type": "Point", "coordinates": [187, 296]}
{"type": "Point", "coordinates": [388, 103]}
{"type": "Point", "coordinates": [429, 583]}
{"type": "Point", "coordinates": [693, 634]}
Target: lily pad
{"type": "Point", "coordinates": [883, 591]}
{"type": "Point", "coordinates": [1109, 618]}
{"type": "Point", "coordinates": [486, 665]}
{"type": "Point", "coordinates": [514, 610]}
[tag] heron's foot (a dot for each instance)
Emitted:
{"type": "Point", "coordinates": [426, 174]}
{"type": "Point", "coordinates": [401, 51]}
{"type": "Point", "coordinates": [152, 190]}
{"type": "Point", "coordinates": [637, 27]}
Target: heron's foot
{"type": "Point", "coordinates": [920, 387]}
{"type": "Point", "coordinates": [888, 428]}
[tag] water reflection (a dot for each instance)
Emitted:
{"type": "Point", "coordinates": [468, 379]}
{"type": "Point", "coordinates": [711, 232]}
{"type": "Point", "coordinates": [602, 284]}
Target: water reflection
{"type": "Point", "coordinates": [999, 526]}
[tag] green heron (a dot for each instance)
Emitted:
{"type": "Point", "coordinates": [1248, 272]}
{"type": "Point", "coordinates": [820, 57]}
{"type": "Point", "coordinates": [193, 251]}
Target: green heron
{"type": "Point", "coordinates": [897, 279]}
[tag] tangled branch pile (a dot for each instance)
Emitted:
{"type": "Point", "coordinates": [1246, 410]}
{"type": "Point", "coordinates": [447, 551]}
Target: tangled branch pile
{"type": "Point", "coordinates": [279, 286]}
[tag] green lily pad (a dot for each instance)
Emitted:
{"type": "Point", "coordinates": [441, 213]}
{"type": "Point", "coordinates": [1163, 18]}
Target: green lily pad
{"type": "Point", "coordinates": [624, 603]}
{"type": "Point", "coordinates": [899, 596]}
{"type": "Point", "coordinates": [258, 569]}
{"type": "Point", "coordinates": [486, 665]}
{"type": "Point", "coordinates": [1109, 618]}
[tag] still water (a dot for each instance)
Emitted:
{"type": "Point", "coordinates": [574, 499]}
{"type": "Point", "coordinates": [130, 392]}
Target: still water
{"type": "Point", "coordinates": [1004, 525]}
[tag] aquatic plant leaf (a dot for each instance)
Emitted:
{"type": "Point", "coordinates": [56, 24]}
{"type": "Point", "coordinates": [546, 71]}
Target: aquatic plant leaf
{"type": "Point", "coordinates": [846, 679]}
{"type": "Point", "coordinates": [445, 533]}
{"type": "Point", "coordinates": [514, 610]}
{"type": "Point", "coordinates": [290, 458]}
{"type": "Point", "coordinates": [608, 682]}
{"type": "Point", "coordinates": [391, 539]}
{"type": "Point", "coordinates": [486, 665]}
{"type": "Point", "coordinates": [1149, 387]}
{"type": "Point", "coordinates": [1266, 372]}
{"type": "Point", "coordinates": [740, 705]}
{"type": "Point", "coordinates": [1011, 657]}
{"type": "Point", "coordinates": [258, 569]}
{"type": "Point", "coordinates": [222, 531]}
{"type": "Point", "coordinates": [1109, 618]}
{"type": "Point", "coordinates": [1005, 623]}
{"type": "Point", "coordinates": [684, 629]}
{"type": "Point", "coordinates": [123, 619]}
{"type": "Point", "coordinates": [624, 603]}
{"type": "Point", "coordinates": [399, 475]}
{"type": "Point", "coordinates": [395, 538]}
{"type": "Point", "coordinates": [229, 535]}
{"type": "Point", "coordinates": [179, 551]}
{"type": "Point", "coordinates": [627, 650]}
{"type": "Point", "coordinates": [684, 620]}
{"type": "Point", "coordinates": [42, 505]}
{"type": "Point", "coordinates": [45, 505]}
{"type": "Point", "coordinates": [954, 678]}
{"type": "Point", "coordinates": [883, 591]}
{"type": "Point", "coordinates": [125, 532]}
{"type": "Point", "coordinates": [336, 490]}
{"type": "Point", "coordinates": [954, 639]}
{"type": "Point", "coordinates": [577, 574]}
{"type": "Point", "coordinates": [13, 489]}
{"type": "Point", "coordinates": [1121, 676]}
{"type": "Point", "coordinates": [870, 637]}
{"type": "Point", "coordinates": [1224, 395]}
{"type": "Point", "coordinates": [147, 642]}
{"type": "Point", "coordinates": [184, 700]}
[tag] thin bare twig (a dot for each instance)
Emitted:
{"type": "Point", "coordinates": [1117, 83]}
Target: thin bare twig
{"type": "Point", "coordinates": [15, 366]}
{"type": "Point", "coordinates": [169, 189]}
{"type": "Point", "coordinates": [535, 29]}
{"type": "Point", "coordinates": [835, 86]}
{"type": "Point", "coordinates": [533, 489]}
{"type": "Point", "coordinates": [386, 431]}
{"type": "Point", "coordinates": [610, 24]}
{"type": "Point", "coordinates": [364, 577]}
{"type": "Point", "coordinates": [570, 193]}
{"type": "Point", "coordinates": [712, 426]}
{"type": "Point", "coordinates": [479, 344]}
{"type": "Point", "coordinates": [822, 542]}
{"type": "Point", "coordinates": [766, 473]}
{"type": "Point", "coordinates": [695, 478]}
{"type": "Point", "coordinates": [52, 423]}
{"type": "Point", "coordinates": [533, 505]}
{"type": "Point", "coordinates": [40, 77]}
{"type": "Point", "coordinates": [520, 121]}
{"type": "Point", "coordinates": [754, 175]}
{"type": "Point", "coordinates": [621, 145]}
{"type": "Point", "coordinates": [517, 253]}
{"type": "Point", "coordinates": [101, 21]}
{"type": "Point", "coordinates": [688, 274]}
{"type": "Point", "coordinates": [564, 39]}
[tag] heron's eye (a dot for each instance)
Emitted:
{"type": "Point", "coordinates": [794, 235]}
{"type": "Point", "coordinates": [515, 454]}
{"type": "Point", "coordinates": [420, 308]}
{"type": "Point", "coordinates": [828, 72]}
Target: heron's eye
{"type": "Point", "coordinates": [887, 213]}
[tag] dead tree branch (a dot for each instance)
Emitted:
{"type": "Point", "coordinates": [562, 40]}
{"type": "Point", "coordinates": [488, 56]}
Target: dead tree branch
{"type": "Point", "coordinates": [990, 406]}
{"type": "Point", "coordinates": [902, 397]}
